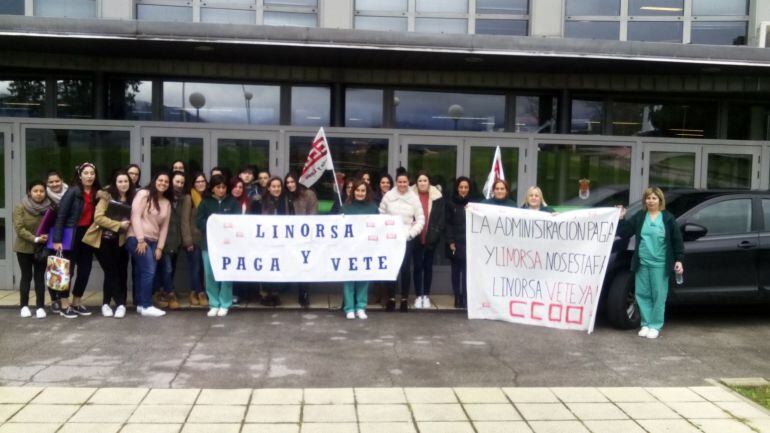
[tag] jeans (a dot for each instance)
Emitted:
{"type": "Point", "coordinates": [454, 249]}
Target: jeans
{"type": "Point", "coordinates": [355, 294]}
{"type": "Point", "coordinates": [164, 274]}
{"type": "Point", "coordinates": [114, 262]}
{"type": "Point", "coordinates": [460, 280]}
{"type": "Point", "coordinates": [29, 268]}
{"type": "Point", "coordinates": [404, 275]}
{"type": "Point", "coordinates": [195, 262]}
{"type": "Point", "coordinates": [423, 269]}
{"type": "Point", "coordinates": [145, 266]}
{"type": "Point", "coordinates": [220, 292]}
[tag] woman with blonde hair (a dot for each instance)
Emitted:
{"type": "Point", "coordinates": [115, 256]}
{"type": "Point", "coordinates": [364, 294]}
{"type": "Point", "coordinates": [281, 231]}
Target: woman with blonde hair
{"type": "Point", "coordinates": [535, 200]}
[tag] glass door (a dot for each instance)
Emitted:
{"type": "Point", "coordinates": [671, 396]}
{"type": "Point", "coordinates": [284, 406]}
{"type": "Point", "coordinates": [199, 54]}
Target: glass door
{"type": "Point", "coordinates": [441, 157]}
{"type": "Point", "coordinates": [731, 167]}
{"type": "Point", "coordinates": [7, 234]}
{"type": "Point", "coordinates": [162, 146]}
{"type": "Point", "coordinates": [672, 165]}
{"type": "Point", "coordinates": [234, 149]}
{"type": "Point", "coordinates": [479, 154]}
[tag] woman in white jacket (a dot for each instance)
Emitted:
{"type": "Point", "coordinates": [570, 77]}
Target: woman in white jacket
{"type": "Point", "coordinates": [402, 201]}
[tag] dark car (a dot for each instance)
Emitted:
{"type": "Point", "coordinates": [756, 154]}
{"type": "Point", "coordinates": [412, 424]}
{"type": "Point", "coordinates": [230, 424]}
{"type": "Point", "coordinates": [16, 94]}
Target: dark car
{"type": "Point", "coordinates": [727, 253]}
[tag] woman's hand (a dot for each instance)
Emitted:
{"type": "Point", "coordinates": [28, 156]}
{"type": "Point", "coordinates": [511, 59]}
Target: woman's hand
{"type": "Point", "coordinates": [57, 246]}
{"type": "Point", "coordinates": [141, 248]}
{"type": "Point", "coordinates": [678, 268]}
{"type": "Point", "coordinates": [124, 225]}
{"type": "Point", "coordinates": [158, 254]}
{"type": "Point", "coordinates": [190, 248]}
{"type": "Point", "coordinates": [42, 239]}
{"type": "Point", "coordinates": [622, 211]}
{"type": "Point", "coordinates": [453, 247]}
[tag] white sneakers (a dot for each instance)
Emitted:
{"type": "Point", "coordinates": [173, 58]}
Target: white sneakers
{"type": "Point", "coordinates": [648, 332]}
{"type": "Point", "coordinates": [106, 311]}
{"type": "Point", "coordinates": [653, 333]}
{"type": "Point", "coordinates": [151, 311]}
{"type": "Point", "coordinates": [25, 312]}
{"type": "Point", "coordinates": [139, 310]}
{"type": "Point", "coordinates": [361, 314]}
{"type": "Point", "coordinates": [213, 312]}
{"type": "Point", "coordinates": [425, 302]}
{"type": "Point", "coordinates": [421, 302]}
{"type": "Point", "coordinates": [644, 331]}
{"type": "Point", "coordinates": [120, 312]}
{"type": "Point", "coordinates": [222, 312]}
{"type": "Point", "coordinates": [350, 316]}
{"type": "Point", "coordinates": [40, 313]}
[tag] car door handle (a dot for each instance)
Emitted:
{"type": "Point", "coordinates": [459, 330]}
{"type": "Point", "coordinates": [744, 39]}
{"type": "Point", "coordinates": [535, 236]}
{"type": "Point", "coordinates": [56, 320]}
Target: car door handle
{"type": "Point", "coordinates": [747, 245]}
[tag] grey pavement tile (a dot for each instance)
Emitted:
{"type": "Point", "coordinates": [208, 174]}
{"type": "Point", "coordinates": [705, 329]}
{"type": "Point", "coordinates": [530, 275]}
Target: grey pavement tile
{"type": "Point", "coordinates": [337, 413]}
{"type": "Point", "coordinates": [118, 396]}
{"type": "Point", "coordinates": [151, 428]}
{"type": "Point", "coordinates": [579, 395]}
{"type": "Point", "coordinates": [375, 413]}
{"type": "Point", "coordinates": [743, 410]}
{"type": "Point", "coordinates": [502, 427]}
{"type": "Point", "coordinates": [445, 427]}
{"type": "Point", "coordinates": [531, 395]}
{"type": "Point", "coordinates": [721, 426]}
{"type": "Point", "coordinates": [715, 393]}
{"type": "Point", "coordinates": [211, 428]}
{"type": "Point", "coordinates": [29, 427]}
{"type": "Point", "coordinates": [160, 414]}
{"type": "Point", "coordinates": [55, 413]}
{"type": "Point", "coordinates": [672, 394]}
{"type": "Point", "coordinates": [104, 413]}
{"type": "Point", "coordinates": [558, 427]}
{"type": "Point", "coordinates": [668, 426]}
{"type": "Point", "coordinates": [329, 396]}
{"type": "Point", "coordinates": [387, 427]}
{"type": "Point", "coordinates": [329, 428]}
{"type": "Point", "coordinates": [492, 412]}
{"type": "Point", "coordinates": [639, 411]}
{"type": "Point", "coordinates": [282, 413]}
{"type": "Point", "coordinates": [171, 396]}
{"type": "Point", "coordinates": [7, 411]}
{"type": "Point", "coordinates": [430, 395]}
{"type": "Point", "coordinates": [210, 414]}
{"type": "Point", "coordinates": [481, 395]}
{"type": "Point", "coordinates": [627, 394]}
{"type": "Point", "coordinates": [62, 395]}
{"type": "Point", "coordinates": [597, 411]}
{"type": "Point", "coordinates": [544, 411]}
{"type": "Point", "coordinates": [270, 428]}
{"type": "Point", "coordinates": [613, 426]}
{"type": "Point", "coordinates": [18, 394]}
{"type": "Point", "coordinates": [224, 396]}
{"type": "Point", "coordinates": [380, 395]}
{"type": "Point", "coordinates": [438, 412]}
{"type": "Point", "coordinates": [276, 396]}
{"type": "Point", "coordinates": [702, 409]}
{"type": "Point", "coordinates": [90, 428]}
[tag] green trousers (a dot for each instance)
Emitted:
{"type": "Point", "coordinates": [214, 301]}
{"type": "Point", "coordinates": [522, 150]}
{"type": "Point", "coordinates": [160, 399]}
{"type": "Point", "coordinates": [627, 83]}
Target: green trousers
{"type": "Point", "coordinates": [651, 293]}
{"type": "Point", "coordinates": [220, 293]}
{"type": "Point", "coordinates": [355, 294]}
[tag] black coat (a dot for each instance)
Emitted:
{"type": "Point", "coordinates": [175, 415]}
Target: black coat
{"type": "Point", "coordinates": [674, 245]}
{"type": "Point", "coordinates": [455, 227]}
{"type": "Point", "coordinates": [70, 211]}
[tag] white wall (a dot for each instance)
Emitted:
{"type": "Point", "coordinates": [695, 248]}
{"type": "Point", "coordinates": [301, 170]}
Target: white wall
{"type": "Point", "coordinates": [547, 18]}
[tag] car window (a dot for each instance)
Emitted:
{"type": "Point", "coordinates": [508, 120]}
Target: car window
{"type": "Point", "coordinates": [766, 212]}
{"type": "Point", "coordinates": [725, 217]}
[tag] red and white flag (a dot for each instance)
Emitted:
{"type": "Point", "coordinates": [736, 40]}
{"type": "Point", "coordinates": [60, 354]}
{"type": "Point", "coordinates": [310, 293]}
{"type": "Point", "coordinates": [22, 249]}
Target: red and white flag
{"type": "Point", "coordinates": [494, 174]}
{"type": "Point", "coordinates": [318, 160]}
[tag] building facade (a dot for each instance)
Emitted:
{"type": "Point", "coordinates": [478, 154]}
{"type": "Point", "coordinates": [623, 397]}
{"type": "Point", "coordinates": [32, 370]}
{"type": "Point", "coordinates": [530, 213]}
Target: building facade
{"type": "Point", "coordinates": [591, 100]}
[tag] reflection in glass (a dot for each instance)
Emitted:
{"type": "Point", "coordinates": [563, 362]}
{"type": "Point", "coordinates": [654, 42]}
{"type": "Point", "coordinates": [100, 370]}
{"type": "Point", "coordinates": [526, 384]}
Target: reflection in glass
{"type": "Point", "coordinates": [563, 169]}
{"type": "Point", "coordinates": [228, 16]}
{"type": "Point", "coordinates": [2, 170]}
{"type": "Point", "coordinates": [509, 7]}
{"type": "Point", "coordinates": [63, 149]}
{"type": "Point", "coordinates": [449, 111]}
{"type": "Point", "coordinates": [727, 170]}
{"type": "Point", "coordinates": [438, 160]}
{"type": "Point", "coordinates": [175, 14]}
{"type": "Point", "coordinates": [607, 30]}
{"type": "Point", "coordinates": [766, 212]}
{"type": "Point", "coordinates": [451, 6]}
{"type": "Point", "coordinates": [672, 169]}
{"type": "Point", "coordinates": [593, 8]}
{"type": "Point", "coordinates": [130, 99]}
{"type": "Point", "coordinates": [290, 19]}
{"type": "Point", "coordinates": [74, 99]}
{"type": "Point", "coordinates": [166, 150]}
{"type": "Point", "coordinates": [502, 27]}
{"type": "Point", "coordinates": [649, 31]}
{"type": "Point", "coordinates": [379, 5]}
{"type": "Point", "coordinates": [440, 25]}
{"type": "Point", "coordinates": [224, 103]}
{"type": "Point", "coordinates": [235, 153]}
{"type": "Point", "coordinates": [310, 106]}
{"type": "Point", "coordinates": [68, 9]}
{"type": "Point", "coordinates": [725, 217]}
{"type": "Point", "coordinates": [12, 7]}
{"type": "Point", "coordinates": [656, 7]}
{"type": "Point", "coordinates": [536, 114]}
{"type": "Point", "coordinates": [350, 156]}
{"type": "Point", "coordinates": [393, 24]}
{"type": "Point", "coordinates": [720, 7]}
{"type": "Point", "coordinates": [694, 120]}
{"type": "Point", "coordinates": [22, 98]}
{"type": "Point", "coordinates": [363, 108]}
{"type": "Point", "coordinates": [310, 3]}
{"type": "Point", "coordinates": [719, 33]}
{"type": "Point", "coordinates": [2, 239]}
{"type": "Point", "coordinates": [748, 122]}
{"type": "Point", "coordinates": [587, 117]}
{"type": "Point", "coordinates": [481, 160]}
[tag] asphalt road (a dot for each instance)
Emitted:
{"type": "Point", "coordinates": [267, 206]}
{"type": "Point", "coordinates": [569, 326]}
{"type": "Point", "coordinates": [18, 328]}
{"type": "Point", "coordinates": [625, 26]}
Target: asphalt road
{"type": "Point", "coordinates": [255, 349]}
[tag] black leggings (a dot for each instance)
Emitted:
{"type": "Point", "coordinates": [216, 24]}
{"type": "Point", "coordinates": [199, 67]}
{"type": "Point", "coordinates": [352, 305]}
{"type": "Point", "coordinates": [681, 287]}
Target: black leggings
{"type": "Point", "coordinates": [82, 258]}
{"type": "Point", "coordinates": [114, 261]}
{"type": "Point", "coordinates": [29, 268]}
{"type": "Point", "coordinates": [404, 274]}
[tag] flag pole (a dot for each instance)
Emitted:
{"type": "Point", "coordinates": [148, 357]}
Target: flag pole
{"type": "Point", "coordinates": [336, 185]}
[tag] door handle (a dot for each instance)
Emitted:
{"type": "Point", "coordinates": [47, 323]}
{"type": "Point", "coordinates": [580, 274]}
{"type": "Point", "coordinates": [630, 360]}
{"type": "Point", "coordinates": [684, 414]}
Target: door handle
{"type": "Point", "coordinates": [747, 245]}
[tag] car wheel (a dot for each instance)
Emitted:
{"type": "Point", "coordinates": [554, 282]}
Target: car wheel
{"type": "Point", "coordinates": [622, 311]}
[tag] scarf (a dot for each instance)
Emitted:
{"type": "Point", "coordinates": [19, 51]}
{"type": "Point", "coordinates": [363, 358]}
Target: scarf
{"type": "Point", "coordinates": [56, 196]}
{"type": "Point", "coordinates": [196, 197]}
{"type": "Point", "coordinates": [35, 208]}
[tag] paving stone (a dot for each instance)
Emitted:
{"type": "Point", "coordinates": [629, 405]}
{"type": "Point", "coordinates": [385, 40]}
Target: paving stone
{"type": "Point", "coordinates": [627, 394]}
{"type": "Point", "coordinates": [160, 414]}
{"type": "Point", "coordinates": [614, 426]}
{"type": "Point", "coordinates": [386, 427]}
{"type": "Point", "coordinates": [329, 396]}
{"type": "Point", "coordinates": [744, 381]}
{"type": "Point", "coordinates": [721, 426]}
{"type": "Point", "coordinates": [579, 395]}
{"type": "Point", "coordinates": [274, 413]}
{"type": "Point", "coordinates": [270, 428]}
{"type": "Point", "coordinates": [671, 394]}
{"type": "Point", "coordinates": [380, 395]}
{"type": "Point", "coordinates": [639, 411]}
{"type": "Point", "coordinates": [329, 428]}
{"type": "Point", "coordinates": [211, 428]}
{"type": "Point", "coordinates": [438, 412]}
{"type": "Point", "coordinates": [383, 412]}
{"type": "Point", "coordinates": [668, 426]}
{"type": "Point", "coordinates": [118, 396]}
{"type": "Point", "coordinates": [224, 396]}
{"type": "Point", "coordinates": [171, 396]}
{"type": "Point", "coordinates": [762, 425]}
{"type": "Point", "coordinates": [558, 427]}
{"type": "Point", "coordinates": [106, 413]}
{"type": "Point", "coordinates": [151, 428]}
{"type": "Point", "coordinates": [702, 409]}
{"type": "Point", "coordinates": [743, 410]}
{"type": "Point", "coordinates": [544, 411]}
{"type": "Point", "coordinates": [445, 427]}
{"type": "Point", "coordinates": [210, 413]}
{"type": "Point", "coordinates": [340, 413]}
{"type": "Point", "coordinates": [29, 428]}
{"type": "Point", "coordinates": [715, 393]}
{"type": "Point", "coordinates": [90, 428]}
{"type": "Point", "coordinates": [481, 395]}
{"type": "Point", "coordinates": [54, 413]}
{"type": "Point", "coordinates": [18, 394]}
{"type": "Point", "coordinates": [7, 411]}
{"type": "Point", "coordinates": [531, 395]}
{"type": "Point", "coordinates": [276, 396]}
{"type": "Point", "coordinates": [56, 395]}
{"type": "Point", "coordinates": [430, 395]}
{"type": "Point", "coordinates": [596, 411]}
{"type": "Point", "coordinates": [502, 427]}
{"type": "Point", "coordinates": [492, 412]}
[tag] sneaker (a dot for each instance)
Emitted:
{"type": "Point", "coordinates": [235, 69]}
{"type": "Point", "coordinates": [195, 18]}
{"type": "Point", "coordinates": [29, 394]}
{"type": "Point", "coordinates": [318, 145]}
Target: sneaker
{"type": "Point", "coordinates": [418, 302]}
{"type": "Point", "coordinates": [644, 331]}
{"type": "Point", "coordinates": [55, 307]}
{"type": "Point", "coordinates": [425, 302]}
{"type": "Point", "coordinates": [213, 312]}
{"type": "Point", "coordinates": [173, 302]}
{"type": "Point", "coordinates": [40, 313]}
{"type": "Point", "coordinates": [25, 312]}
{"type": "Point", "coordinates": [139, 309]}
{"type": "Point", "coordinates": [350, 316]}
{"type": "Point", "coordinates": [222, 312]}
{"type": "Point", "coordinates": [81, 310]}
{"type": "Point", "coordinates": [152, 312]}
{"type": "Point", "coordinates": [361, 314]}
{"type": "Point", "coordinates": [106, 311]}
{"type": "Point", "coordinates": [120, 312]}
{"type": "Point", "coordinates": [653, 333]}
{"type": "Point", "coordinates": [69, 313]}
{"type": "Point", "coordinates": [203, 300]}
{"type": "Point", "coordinates": [194, 299]}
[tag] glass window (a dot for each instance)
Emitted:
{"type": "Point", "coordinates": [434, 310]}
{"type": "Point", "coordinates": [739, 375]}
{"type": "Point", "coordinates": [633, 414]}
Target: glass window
{"type": "Point", "coordinates": [443, 6]}
{"type": "Point", "coordinates": [502, 27]}
{"type": "Point", "coordinates": [481, 160]}
{"type": "Point", "coordinates": [12, 7]}
{"type": "Point", "coordinates": [440, 25]}
{"type": "Point", "coordinates": [608, 30]}
{"type": "Point", "coordinates": [74, 99]}
{"type": "Point", "coordinates": [176, 14]}
{"type": "Point", "coordinates": [2, 169]}
{"type": "Point", "coordinates": [587, 117]}
{"type": "Point", "coordinates": [350, 156]}
{"type": "Point", "coordinates": [289, 19]}
{"type": "Point", "coordinates": [449, 111]}
{"type": "Point", "coordinates": [2, 239]}
{"type": "Point", "coordinates": [310, 106]}
{"type": "Point", "coordinates": [64, 149]}
{"type": "Point", "coordinates": [720, 7]}
{"type": "Point", "coordinates": [655, 31]}
{"type": "Point", "coordinates": [234, 153]}
{"type": "Point", "coordinates": [748, 122]}
{"type": "Point", "coordinates": [536, 114]}
{"type": "Point", "coordinates": [379, 5]}
{"type": "Point", "coordinates": [363, 108]}
{"type": "Point", "coordinates": [593, 7]}
{"type": "Point", "coordinates": [766, 212]}
{"type": "Point", "coordinates": [725, 217]}
{"type": "Point", "coordinates": [672, 169]}
{"type": "Point", "coordinates": [308, 3]}
{"type": "Point", "coordinates": [574, 176]}
{"type": "Point", "coordinates": [440, 161]}
{"type": "Point", "coordinates": [68, 9]}
{"type": "Point", "coordinates": [22, 98]}
{"type": "Point", "coordinates": [719, 32]}
{"type": "Point", "coordinates": [656, 7]}
{"type": "Point", "coordinates": [165, 150]}
{"type": "Point", "coordinates": [393, 24]}
{"type": "Point", "coordinates": [729, 170]}
{"type": "Point", "coordinates": [130, 99]}
{"type": "Point", "coordinates": [230, 2]}
{"type": "Point", "coordinates": [221, 103]}
{"type": "Point", "coordinates": [228, 16]}
{"type": "Point", "coordinates": [509, 7]}
{"type": "Point", "coordinates": [696, 119]}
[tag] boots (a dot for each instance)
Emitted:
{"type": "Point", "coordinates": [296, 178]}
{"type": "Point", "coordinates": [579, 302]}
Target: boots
{"type": "Point", "coordinates": [203, 300]}
{"type": "Point", "coordinates": [161, 299]}
{"type": "Point", "coordinates": [173, 303]}
{"type": "Point", "coordinates": [391, 305]}
{"type": "Point", "coordinates": [404, 307]}
{"type": "Point", "coordinates": [194, 299]}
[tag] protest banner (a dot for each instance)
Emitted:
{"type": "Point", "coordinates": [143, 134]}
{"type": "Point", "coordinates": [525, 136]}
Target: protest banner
{"type": "Point", "coordinates": [305, 248]}
{"type": "Point", "coordinates": [536, 268]}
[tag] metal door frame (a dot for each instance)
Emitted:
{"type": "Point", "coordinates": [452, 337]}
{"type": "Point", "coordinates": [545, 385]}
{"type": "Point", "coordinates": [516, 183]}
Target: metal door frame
{"type": "Point", "coordinates": [270, 136]}
{"type": "Point", "coordinates": [755, 151]}
{"type": "Point", "coordinates": [176, 132]}
{"type": "Point", "coordinates": [522, 144]}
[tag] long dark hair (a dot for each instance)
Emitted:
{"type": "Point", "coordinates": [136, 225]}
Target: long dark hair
{"type": "Point", "coordinates": [152, 189]}
{"type": "Point", "coordinates": [352, 197]}
{"type": "Point", "coordinates": [195, 177]}
{"type": "Point", "coordinates": [136, 166]}
{"type": "Point", "coordinates": [244, 198]}
{"type": "Point", "coordinates": [112, 188]}
{"type": "Point", "coordinates": [300, 187]}
{"type": "Point", "coordinates": [385, 176]}
{"type": "Point", "coordinates": [79, 182]}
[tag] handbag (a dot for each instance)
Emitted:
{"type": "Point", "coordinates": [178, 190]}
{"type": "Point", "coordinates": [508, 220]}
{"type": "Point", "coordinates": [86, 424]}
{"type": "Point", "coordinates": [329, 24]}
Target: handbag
{"type": "Point", "coordinates": [57, 273]}
{"type": "Point", "coordinates": [67, 234]}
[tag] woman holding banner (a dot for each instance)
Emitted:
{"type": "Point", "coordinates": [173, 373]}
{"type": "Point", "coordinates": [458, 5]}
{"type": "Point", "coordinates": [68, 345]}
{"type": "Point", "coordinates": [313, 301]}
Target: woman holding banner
{"type": "Point", "coordinates": [300, 201]}
{"type": "Point", "coordinates": [535, 200]}
{"type": "Point", "coordinates": [273, 203]}
{"type": "Point", "coordinates": [455, 238]}
{"type": "Point", "coordinates": [433, 208]}
{"type": "Point", "coordinates": [404, 203]}
{"type": "Point", "coordinates": [355, 293]}
{"type": "Point", "coordinates": [500, 194]}
{"type": "Point", "coordinates": [659, 250]}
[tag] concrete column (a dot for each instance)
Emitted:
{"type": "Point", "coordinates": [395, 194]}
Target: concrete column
{"type": "Point", "coordinates": [759, 12]}
{"type": "Point", "coordinates": [547, 18]}
{"type": "Point", "coordinates": [117, 9]}
{"type": "Point", "coordinates": [335, 14]}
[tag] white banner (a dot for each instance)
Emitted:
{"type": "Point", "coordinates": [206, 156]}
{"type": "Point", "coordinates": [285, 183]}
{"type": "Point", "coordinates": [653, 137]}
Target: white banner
{"type": "Point", "coordinates": [306, 248]}
{"type": "Point", "coordinates": [536, 268]}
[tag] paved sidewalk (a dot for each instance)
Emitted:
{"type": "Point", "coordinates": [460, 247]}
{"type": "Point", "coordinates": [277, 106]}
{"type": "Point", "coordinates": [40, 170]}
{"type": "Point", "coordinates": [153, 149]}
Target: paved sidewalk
{"type": "Point", "coordinates": [380, 410]}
